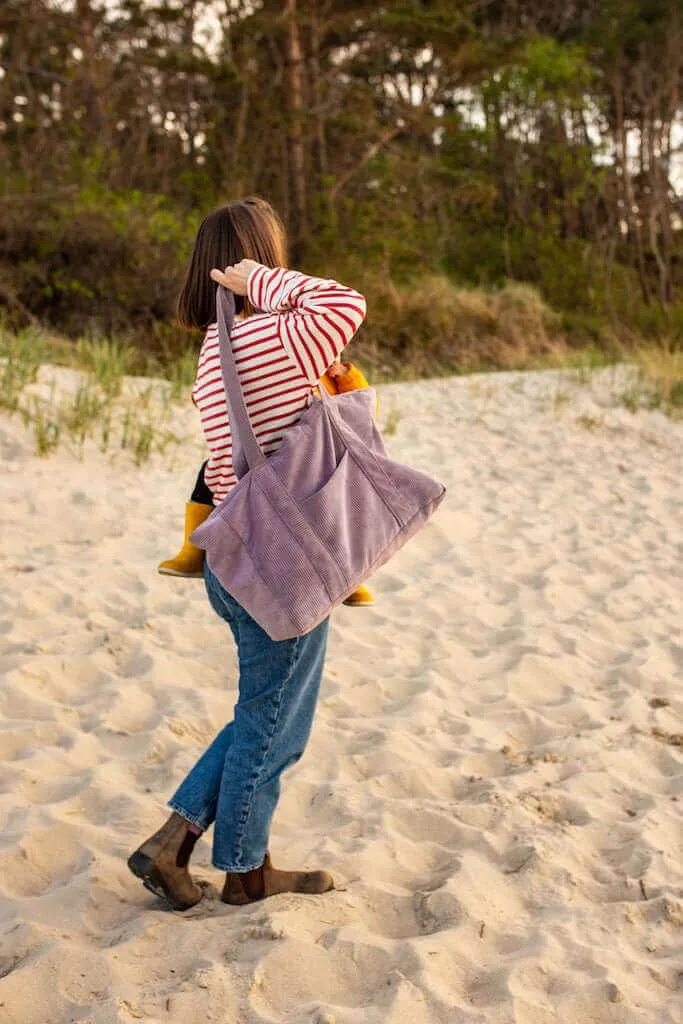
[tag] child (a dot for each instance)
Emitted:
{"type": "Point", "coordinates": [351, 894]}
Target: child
{"type": "Point", "coordinates": [189, 562]}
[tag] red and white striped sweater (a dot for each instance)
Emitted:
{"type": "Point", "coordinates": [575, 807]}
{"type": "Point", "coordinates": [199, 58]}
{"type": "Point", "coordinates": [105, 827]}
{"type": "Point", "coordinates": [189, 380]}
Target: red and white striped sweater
{"type": "Point", "coordinates": [281, 354]}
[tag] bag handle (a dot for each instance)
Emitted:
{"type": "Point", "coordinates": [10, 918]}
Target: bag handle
{"type": "Point", "coordinates": [240, 427]}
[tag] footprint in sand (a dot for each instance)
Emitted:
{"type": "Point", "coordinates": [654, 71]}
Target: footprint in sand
{"type": "Point", "coordinates": [46, 858]}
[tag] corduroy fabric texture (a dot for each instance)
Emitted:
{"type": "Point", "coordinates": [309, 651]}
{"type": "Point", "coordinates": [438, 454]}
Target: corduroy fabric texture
{"type": "Point", "coordinates": [303, 528]}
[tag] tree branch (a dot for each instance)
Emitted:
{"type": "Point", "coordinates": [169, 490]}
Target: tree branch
{"type": "Point", "coordinates": [370, 152]}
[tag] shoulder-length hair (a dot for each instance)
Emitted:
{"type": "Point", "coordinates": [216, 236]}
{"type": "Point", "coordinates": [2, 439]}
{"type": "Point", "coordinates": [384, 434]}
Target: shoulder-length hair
{"type": "Point", "coordinates": [245, 229]}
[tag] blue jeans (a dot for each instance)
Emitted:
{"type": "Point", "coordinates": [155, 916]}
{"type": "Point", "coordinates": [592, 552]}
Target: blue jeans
{"type": "Point", "coordinates": [236, 782]}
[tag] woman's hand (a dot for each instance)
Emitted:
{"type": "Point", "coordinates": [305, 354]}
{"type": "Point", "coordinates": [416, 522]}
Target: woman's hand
{"type": "Point", "coordinates": [235, 278]}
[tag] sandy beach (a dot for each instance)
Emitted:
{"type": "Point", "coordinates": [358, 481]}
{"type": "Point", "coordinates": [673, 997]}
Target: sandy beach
{"type": "Point", "coordinates": [495, 775]}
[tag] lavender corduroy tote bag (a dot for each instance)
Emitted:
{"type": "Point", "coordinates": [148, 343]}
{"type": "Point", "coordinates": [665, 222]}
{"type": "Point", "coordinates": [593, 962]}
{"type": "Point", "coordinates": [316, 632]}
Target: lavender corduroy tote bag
{"type": "Point", "coordinates": [304, 527]}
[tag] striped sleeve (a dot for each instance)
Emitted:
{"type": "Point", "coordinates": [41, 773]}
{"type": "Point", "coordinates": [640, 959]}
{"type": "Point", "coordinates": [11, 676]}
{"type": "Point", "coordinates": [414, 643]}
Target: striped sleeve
{"type": "Point", "coordinates": [206, 352]}
{"type": "Point", "coordinates": [315, 319]}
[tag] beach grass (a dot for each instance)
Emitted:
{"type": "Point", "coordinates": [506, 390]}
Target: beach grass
{"type": "Point", "coordinates": [107, 359]}
{"type": "Point", "coordinates": [98, 408]}
{"type": "Point", "coordinates": [141, 424]}
{"type": "Point", "coordinates": [22, 355]}
{"type": "Point", "coordinates": [660, 379]}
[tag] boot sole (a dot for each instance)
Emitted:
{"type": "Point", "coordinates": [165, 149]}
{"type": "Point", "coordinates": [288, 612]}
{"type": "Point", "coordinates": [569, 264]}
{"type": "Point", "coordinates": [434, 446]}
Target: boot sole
{"type": "Point", "coordinates": [143, 868]}
{"type": "Point", "coordinates": [182, 575]}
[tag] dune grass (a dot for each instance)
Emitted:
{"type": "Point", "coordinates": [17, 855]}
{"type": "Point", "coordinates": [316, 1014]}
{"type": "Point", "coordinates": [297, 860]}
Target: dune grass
{"type": "Point", "coordinates": [660, 380]}
{"type": "Point", "coordinates": [22, 355]}
{"type": "Point", "coordinates": [96, 410]}
{"type": "Point", "coordinates": [106, 360]}
{"type": "Point", "coordinates": [434, 329]}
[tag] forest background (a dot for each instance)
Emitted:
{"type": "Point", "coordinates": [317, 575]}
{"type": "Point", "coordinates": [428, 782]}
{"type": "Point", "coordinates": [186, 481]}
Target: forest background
{"type": "Point", "coordinates": [502, 179]}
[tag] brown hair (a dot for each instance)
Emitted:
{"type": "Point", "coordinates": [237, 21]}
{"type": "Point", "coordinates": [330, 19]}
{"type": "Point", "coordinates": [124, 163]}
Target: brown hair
{"type": "Point", "coordinates": [246, 229]}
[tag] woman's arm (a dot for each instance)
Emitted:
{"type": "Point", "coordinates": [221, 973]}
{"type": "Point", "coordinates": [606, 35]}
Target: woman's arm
{"type": "Point", "coordinates": [314, 318]}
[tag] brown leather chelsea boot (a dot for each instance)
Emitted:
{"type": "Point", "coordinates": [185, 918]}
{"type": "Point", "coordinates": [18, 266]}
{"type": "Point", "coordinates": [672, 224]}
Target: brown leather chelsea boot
{"type": "Point", "coordinates": [250, 886]}
{"type": "Point", "coordinates": [161, 864]}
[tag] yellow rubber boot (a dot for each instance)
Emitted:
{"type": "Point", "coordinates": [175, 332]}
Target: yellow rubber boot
{"type": "Point", "coordinates": [189, 562]}
{"type": "Point", "coordinates": [329, 384]}
{"type": "Point", "coordinates": [360, 598]}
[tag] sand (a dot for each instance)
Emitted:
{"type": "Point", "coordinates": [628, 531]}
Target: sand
{"type": "Point", "coordinates": [495, 775]}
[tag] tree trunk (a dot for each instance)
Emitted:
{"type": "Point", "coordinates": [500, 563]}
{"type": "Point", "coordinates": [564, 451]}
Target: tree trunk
{"type": "Point", "coordinates": [320, 140]}
{"type": "Point", "coordinates": [632, 217]}
{"type": "Point", "coordinates": [297, 159]}
{"type": "Point", "coordinates": [188, 47]}
{"type": "Point", "coordinates": [89, 73]}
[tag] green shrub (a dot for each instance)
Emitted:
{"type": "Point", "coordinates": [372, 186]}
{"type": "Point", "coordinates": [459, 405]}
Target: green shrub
{"type": "Point", "coordinates": [100, 261]}
{"type": "Point", "coordinates": [428, 325]}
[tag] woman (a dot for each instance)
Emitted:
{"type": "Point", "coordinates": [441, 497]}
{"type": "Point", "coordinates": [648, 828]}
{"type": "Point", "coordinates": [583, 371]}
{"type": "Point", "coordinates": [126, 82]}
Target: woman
{"type": "Point", "coordinates": [294, 328]}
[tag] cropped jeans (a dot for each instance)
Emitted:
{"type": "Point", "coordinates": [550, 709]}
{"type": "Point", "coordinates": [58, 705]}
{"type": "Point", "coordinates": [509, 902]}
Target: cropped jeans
{"type": "Point", "coordinates": [236, 782]}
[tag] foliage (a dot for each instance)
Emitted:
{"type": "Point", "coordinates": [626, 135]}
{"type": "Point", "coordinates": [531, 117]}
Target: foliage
{"type": "Point", "coordinates": [492, 144]}
{"type": "Point", "coordinates": [98, 260]}
{"type": "Point", "coordinates": [427, 325]}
